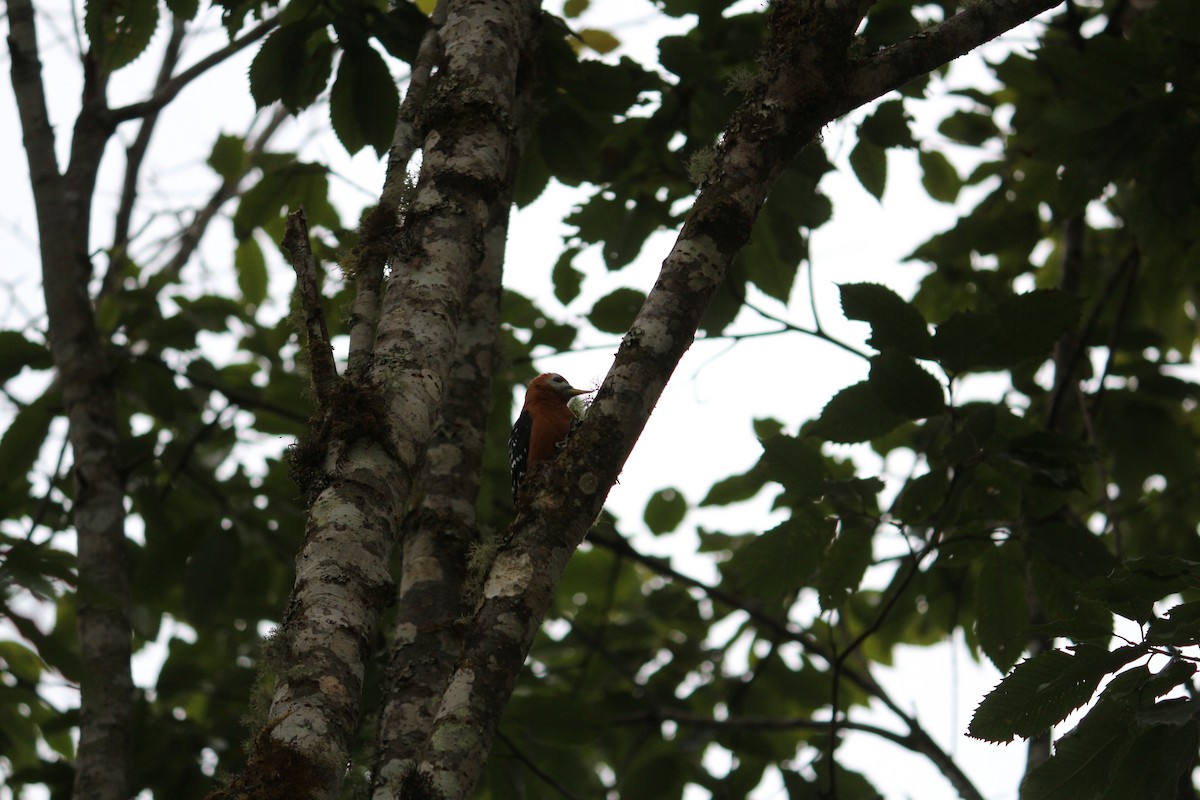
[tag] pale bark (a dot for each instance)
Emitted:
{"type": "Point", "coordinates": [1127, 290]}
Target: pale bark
{"type": "Point", "coordinates": [63, 204]}
{"type": "Point", "coordinates": [808, 82]}
{"type": "Point", "coordinates": [342, 579]}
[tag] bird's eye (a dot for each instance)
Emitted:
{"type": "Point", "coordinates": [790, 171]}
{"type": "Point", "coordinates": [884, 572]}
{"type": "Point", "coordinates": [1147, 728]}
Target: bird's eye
{"type": "Point", "coordinates": [558, 379]}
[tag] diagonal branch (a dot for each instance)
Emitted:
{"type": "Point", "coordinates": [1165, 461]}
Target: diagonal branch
{"type": "Point", "coordinates": [135, 156]}
{"type": "Point", "coordinates": [193, 232]}
{"type": "Point", "coordinates": [807, 82]}
{"type": "Point", "coordinates": [165, 92]}
{"type": "Point", "coordinates": [917, 738]}
{"type": "Point", "coordinates": [976, 24]}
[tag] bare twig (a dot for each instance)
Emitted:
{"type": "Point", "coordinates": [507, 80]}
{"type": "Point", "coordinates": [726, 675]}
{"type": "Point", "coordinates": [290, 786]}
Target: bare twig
{"type": "Point", "coordinates": [193, 232]}
{"type": "Point", "coordinates": [164, 93]}
{"type": "Point", "coordinates": [308, 291]}
{"type": "Point", "coordinates": [135, 156]}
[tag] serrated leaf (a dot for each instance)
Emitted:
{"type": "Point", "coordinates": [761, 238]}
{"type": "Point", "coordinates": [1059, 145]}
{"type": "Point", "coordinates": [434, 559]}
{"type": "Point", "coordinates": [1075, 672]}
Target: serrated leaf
{"type": "Point", "coordinates": [665, 510]}
{"type": "Point", "coordinates": [794, 463]}
{"type": "Point", "coordinates": [364, 101]}
{"type": "Point", "coordinates": [1017, 329]}
{"type": "Point", "coordinates": [566, 278]}
{"type": "Point", "coordinates": [251, 268]}
{"type": "Point", "coordinates": [1001, 610]}
{"type": "Point", "coordinates": [938, 176]}
{"type": "Point", "coordinates": [922, 497]}
{"type": "Point", "coordinates": [615, 312]}
{"type": "Point", "coordinates": [1087, 759]}
{"type": "Point", "coordinates": [292, 186]}
{"type": "Point", "coordinates": [855, 414]}
{"type": "Point", "coordinates": [119, 30]}
{"type": "Point", "coordinates": [1133, 588]}
{"type": "Point", "coordinates": [1179, 627]}
{"type": "Point", "coordinates": [895, 322]}
{"type": "Point", "coordinates": [846, 562]}
{"type": "Point", "coordinates": [777, 563]}
{"type": "Point", "coordinates": [905, 387]}
{"type": "Point", "coordinates": [1043, 690]}
{"type": "Point", "coordinates": [869, 162]}
{"type": "Point", "coordinates": [293, 65]}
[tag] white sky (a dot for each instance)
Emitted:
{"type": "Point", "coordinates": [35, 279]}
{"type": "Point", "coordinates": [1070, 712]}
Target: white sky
{"type": "Point", "coordinates": [700, 431]}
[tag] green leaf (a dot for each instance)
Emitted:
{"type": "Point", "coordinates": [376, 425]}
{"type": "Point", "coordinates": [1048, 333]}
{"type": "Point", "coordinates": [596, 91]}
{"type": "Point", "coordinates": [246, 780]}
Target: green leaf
{"type": "Point", "coordinates": [887, 126]}
{"type": "Point", "coordinates": [905, 387]}
{"type": "Point", "coordinates": [846, 561]}
{"type": "Point", "coordinates": [251, 269]}
{"type": "Point", "coordinates": [293, 65]}
{"type": "Point", "coordinates": [1043, 690]}
{"type": "Point", "coordinates": [855, 414]}
{"type": "Point", "coordinates": [796, 464]}
{"type": "Point", "coordinates": [1018, 328]}
{"type": "Point", "coordinates": [737, 488]}
{"type": "Point", "coordinates": [364, 101]}
{"type": "Point", "coordinates": [1086, 761]}
{"type": "Point", "coordinates": [183, 9]}
{"type": "Point", "coordinates": [869, 162]}
{"type": "Point", "coordinates": [21, 443]}
{"type": "Point", "coordinates": [922, 497]}
{"type": "Point", "coordinates": [1132, 589]}
{"type": "Point", "coordinates": [938, 176]}
{"type": "Point", "coordinates": [119, 30]}
{"type": "Point", "coordinates": [1001, 610]}
{"type": "Point", "coordinates": [969, 127]}
{"type": "Point", "coordinates": [895, 323]}
{"type": "Point", "coordinates": [289, 187]}
{"type": "Point", "coordinates": [600, 41]}
{"type": "Point", "coordinates": [665, 510]}
{"type": "Point", "coordinates": [1160, 755]}
{"type": "Point", "coordinates": [566, 278]}
{"type": "Point", "coordinates": [615, 312]}
{"type": "Point", "coordinates": [228, 158]}
{"type": "Point", "coordinates": [1180, 627]}
{"type": "Point", "coordinates": [573, 8]}
{"type": "Point", "coordinates": [17, 353]}
{"type": "Point", "coordinates": [776, 564]}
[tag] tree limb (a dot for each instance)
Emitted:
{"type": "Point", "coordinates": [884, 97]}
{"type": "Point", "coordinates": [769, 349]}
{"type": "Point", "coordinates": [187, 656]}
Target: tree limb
{"type": "Point", "coordinates": [164, 93]}
{"type": "Point", "coordinates": [801, 91]}
{"type": "Point", "coordinates": [135, 156]}
{"type": "Point", "coordinates": [892, 67]}
{"type": "Point", "coordinates": [191, 235]}
{"type": "Point", "coordinates": [63, 203]}
{"type": "Point", "coordinates": [308, 290]}
{"type": "Point", "coordinates": [368, 470]}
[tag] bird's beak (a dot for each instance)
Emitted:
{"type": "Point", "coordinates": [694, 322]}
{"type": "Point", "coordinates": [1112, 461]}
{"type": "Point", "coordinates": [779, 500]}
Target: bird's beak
{"type": "Point", "coordinates": [573, 392]}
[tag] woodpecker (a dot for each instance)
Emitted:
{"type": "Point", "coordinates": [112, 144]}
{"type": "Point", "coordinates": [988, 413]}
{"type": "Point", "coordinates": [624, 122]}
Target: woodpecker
{"type": "Point", "coordinates": [543, 424]}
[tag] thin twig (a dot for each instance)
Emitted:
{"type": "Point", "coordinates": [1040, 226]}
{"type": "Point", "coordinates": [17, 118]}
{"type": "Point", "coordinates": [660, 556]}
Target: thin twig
{"type": "Point", "coordinates": [166, 92]}
{"type": "Point", "coordinates": [135, 156]}
{"type": "Point", "coordinates": [193, 232]}
{"type": "Point", "coordinates": [786, 631]}
{"type": "Point", "coordinates": [308, 291]}
{"type": "Point", "coordinates": [542, 775]}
